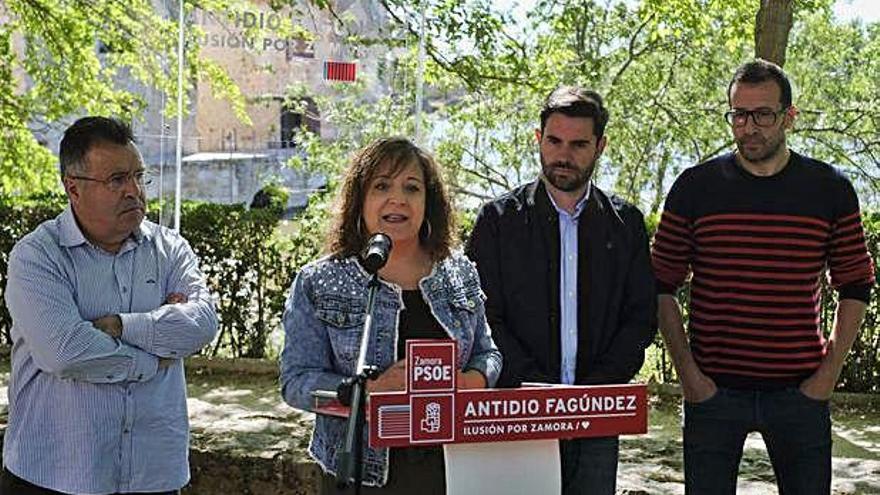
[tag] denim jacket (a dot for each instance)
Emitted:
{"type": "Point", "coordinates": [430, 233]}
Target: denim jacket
{"type": "Point", "coordinates": [323, 322]}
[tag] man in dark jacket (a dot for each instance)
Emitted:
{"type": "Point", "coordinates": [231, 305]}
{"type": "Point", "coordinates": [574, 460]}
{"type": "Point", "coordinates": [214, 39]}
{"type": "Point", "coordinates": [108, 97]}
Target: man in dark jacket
{"type": "Point", "coordinates": [567, 273]}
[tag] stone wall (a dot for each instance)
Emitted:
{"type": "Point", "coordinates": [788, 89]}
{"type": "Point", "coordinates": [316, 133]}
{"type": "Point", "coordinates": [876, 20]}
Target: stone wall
{"type": "Point", "coordinates": [219, 473]}
{"type": "Point", "coordinates": [229, 178]}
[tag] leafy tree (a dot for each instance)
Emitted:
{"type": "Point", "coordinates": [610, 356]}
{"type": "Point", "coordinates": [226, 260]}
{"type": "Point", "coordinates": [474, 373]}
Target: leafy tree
{"type": "Point", "coordinates": [837, 83]}
{"type": "Point", "coordinates": [68, 57]}
{"type": "Point", "coordinates": [663, 66]}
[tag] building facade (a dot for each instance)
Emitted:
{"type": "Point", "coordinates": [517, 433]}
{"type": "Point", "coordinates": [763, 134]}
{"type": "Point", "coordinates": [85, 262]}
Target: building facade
{"type": "Point", "coordinates": [265, 52]}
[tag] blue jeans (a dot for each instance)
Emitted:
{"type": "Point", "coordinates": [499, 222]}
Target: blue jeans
{"type": "Point", "coordinates": [589, 465]}
{"type": "Point", "coordinates": [795, 428]}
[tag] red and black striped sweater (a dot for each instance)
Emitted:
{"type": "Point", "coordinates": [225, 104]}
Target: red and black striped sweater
{"type": "Point", "coordinates": [756, 248]}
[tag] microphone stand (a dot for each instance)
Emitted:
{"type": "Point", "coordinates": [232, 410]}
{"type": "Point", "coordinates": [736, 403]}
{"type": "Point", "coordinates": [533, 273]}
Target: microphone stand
{"type": "Point", "coordinates": [353, 391]}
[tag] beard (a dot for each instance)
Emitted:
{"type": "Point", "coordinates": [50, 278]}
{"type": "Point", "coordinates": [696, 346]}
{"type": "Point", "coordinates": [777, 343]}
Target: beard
{"type": "Point", "coordinates": [566, 176]}
{"type": "Point", "coordinates": [762, 148]}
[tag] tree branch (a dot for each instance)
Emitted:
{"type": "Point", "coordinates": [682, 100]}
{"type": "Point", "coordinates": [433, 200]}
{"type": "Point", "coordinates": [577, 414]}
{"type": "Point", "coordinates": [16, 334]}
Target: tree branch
{"type": "Point", "coordinates": [472, 81]}
{"type": "Point", "coordinates": [632, 53]}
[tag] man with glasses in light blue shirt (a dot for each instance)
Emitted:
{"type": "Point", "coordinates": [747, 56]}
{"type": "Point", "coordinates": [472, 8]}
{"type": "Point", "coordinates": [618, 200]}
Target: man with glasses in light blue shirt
{"type": "Point", "coordinates": [105, 305]}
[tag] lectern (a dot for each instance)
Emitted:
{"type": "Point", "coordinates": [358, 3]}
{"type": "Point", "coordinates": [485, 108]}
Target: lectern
{"type": "Point", "coordinates": [496, 441]}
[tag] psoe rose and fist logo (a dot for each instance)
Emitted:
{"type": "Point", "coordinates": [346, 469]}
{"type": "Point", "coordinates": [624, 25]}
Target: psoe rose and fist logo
{"type": "Point", "coordinates": [433, 418]}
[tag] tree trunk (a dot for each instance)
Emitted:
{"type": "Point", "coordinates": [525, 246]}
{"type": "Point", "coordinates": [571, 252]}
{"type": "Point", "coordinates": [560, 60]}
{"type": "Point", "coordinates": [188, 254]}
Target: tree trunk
{"type": "Point", "coordinates": [772, 26]}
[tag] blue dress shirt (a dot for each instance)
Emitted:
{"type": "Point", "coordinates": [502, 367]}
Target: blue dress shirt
{"type": "Point", "coordinates": [568, 286]}
{"type": "Point", "coordinates": [89, 413]}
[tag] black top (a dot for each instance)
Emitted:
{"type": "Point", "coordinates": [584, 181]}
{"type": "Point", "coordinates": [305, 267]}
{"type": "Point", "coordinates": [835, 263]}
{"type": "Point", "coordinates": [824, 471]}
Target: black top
{"type": "Point", "coordinates": [416, 322]}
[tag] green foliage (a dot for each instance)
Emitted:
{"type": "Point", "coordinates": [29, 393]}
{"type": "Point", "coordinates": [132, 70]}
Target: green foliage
{"type": "Point", "coordinates": [272, 196]}
{"type": "Point", "coordinates": [310, 228]}
{"type": "Point", "coordinates": [862, 370]}
{"type": "Point", "coordinates": [245, 267]}
{"type": "Point", "coordinates": [837, 83]}
{"type": "Point", "coordinates": [18, 139]}
{"type": "Point", "coordinates": [16, 220]}
{"type": "Point", "coordinates": [663, 66]}
{"type": "Point", "coordinates": [248, 267]}
{"type": "Point", "coordinates": [59, 59]}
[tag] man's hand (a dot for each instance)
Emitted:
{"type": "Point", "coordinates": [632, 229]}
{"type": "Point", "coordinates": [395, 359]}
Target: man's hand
{"type": "Point", "coordinates": [392, 379]}
{"type": "Point", "coordinates": [820, 385]}
{"type": "Point", "coordinates": [175, 298]}
{"type": "Point", "coordinates": [697, 387]}
{"type": "Point", "coordinates": [166, 362]}
{"type": "Point", "coordinates": [110, 324]}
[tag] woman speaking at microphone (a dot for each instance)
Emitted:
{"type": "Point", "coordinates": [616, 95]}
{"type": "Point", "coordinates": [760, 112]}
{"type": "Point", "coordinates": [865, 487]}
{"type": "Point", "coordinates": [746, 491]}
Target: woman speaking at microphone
{"type": "Point", "coordinates": [426, 291]}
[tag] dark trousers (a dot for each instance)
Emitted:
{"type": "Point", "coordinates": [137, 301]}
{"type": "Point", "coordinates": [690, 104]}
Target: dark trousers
{"type": "Point", "coordinates": [418, 470]}
{"type": "Point", "coordinates": [589, 465]}
{"type": "Point", "coordinates": [11, 484]}
{"type": "Point", "coordinates": [796, 430]}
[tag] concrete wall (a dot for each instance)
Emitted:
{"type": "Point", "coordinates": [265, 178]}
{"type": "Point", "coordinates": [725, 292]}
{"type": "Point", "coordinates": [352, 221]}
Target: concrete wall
{"type": "Point", "coordinates": [229, 178]}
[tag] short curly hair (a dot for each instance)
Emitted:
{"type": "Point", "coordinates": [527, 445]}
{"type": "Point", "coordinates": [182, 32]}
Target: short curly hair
{"type": "Point", "coordinates": [348, 236]}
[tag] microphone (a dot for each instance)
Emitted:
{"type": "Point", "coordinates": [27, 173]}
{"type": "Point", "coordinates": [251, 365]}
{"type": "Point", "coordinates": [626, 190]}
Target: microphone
{"type": "Point", "coordinates": [376, 253]}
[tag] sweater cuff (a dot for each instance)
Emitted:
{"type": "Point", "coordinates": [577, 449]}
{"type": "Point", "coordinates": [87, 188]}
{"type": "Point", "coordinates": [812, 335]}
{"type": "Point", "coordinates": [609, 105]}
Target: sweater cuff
{"type": "Point", "coordinates": [665, 288]}
{"type": "Point", "coordinates": [859, 291]}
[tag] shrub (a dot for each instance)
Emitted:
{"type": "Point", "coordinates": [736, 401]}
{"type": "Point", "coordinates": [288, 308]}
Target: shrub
{"type": "Point", "coordinates": [247, 265]}
{"type": "Point", "coordinates": [250, 267]}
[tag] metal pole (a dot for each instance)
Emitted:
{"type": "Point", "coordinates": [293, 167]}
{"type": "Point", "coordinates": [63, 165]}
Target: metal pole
{"type": "Point", "coordinates": [179, 157]}
{"type": "Point", "coordinates": [162, 163]}
{"type": "Point", "coordinates": [162, 134]}
{"type": "Point", "coordinates": [420, 75]}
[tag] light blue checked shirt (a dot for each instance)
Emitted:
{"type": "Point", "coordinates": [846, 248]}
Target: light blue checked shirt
{"type": "Point", "coordinates": [568, 286]}
{"type": "Point", "coordinates": [88, 413]}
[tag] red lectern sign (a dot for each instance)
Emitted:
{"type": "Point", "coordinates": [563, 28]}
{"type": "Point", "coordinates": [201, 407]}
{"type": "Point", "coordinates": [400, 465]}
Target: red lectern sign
{"type": "Point", "coordinates": [430, 366]}
{"type": "Point", "coordinates": [432, 412]}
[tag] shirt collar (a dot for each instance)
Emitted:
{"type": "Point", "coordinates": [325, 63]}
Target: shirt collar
{"type": "Point", "coordinates": [71, 235]}
{"type": "Point", "coordinates": [578, 208]}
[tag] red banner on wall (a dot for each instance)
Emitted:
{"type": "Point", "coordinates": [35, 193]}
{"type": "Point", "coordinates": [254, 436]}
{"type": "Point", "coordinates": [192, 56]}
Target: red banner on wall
{"type": "Point", "coordinates": [340, 71]}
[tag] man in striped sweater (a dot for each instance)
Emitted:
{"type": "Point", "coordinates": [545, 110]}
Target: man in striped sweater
{"type": "Point", "coordinates": [757, 229]}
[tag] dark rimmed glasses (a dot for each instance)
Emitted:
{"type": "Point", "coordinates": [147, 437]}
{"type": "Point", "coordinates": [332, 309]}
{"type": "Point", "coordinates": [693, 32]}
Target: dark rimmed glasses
{"type": "Point", "coordinates": [762, 117]}
{"type": "Point", "coordinates": [117, 182]}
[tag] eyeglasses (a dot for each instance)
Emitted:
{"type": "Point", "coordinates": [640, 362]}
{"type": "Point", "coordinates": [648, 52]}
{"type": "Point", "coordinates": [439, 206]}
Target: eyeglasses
{"type": "Point", "coordinates": [761, 117]}
{"type": "Point", "coordinates": [117, 182]}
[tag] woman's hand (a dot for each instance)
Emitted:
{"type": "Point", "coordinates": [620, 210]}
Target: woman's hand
{"type": "Point", "coordinates": [470, 379]}
{"type": "Point", "coordinates": [392, 379]}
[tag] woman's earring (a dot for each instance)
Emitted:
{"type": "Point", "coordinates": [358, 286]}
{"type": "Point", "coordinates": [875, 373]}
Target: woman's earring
{"type": "Point", "coordinates": [426, 229]}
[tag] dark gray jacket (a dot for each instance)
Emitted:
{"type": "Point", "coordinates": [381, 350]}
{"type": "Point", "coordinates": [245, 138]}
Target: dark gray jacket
{"type": "Point", "coordinates": [515, 244]}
